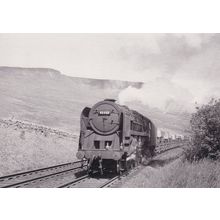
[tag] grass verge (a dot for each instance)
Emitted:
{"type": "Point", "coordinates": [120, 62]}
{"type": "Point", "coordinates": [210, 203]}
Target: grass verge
{"type": "Point", "coordinates": [172, 171]}
{"type": "Point", "coordinates": [25, 149]}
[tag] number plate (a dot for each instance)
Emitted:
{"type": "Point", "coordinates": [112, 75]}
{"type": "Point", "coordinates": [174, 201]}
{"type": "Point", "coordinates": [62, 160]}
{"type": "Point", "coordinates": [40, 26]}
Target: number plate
{"type": "Point", "coordinates": [104, 113]}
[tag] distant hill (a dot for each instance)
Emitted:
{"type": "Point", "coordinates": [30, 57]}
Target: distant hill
{"type": "Point", "coordinates": [45, 96]}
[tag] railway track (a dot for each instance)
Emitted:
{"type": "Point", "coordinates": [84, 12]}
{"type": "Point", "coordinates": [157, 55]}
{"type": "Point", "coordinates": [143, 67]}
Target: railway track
{"type": "Point", "coordinates": [40, 177]}
{"type": "Point", "coordinates": [111, 182]}
{"type": "Point", "coordinates": [74, 182]}
{"type": "Point", "coordinates": [162, 149]}
{"type": "Point", "coordinates": [98, 181]}
{"type": "Point", "coordinates": [91, 182]}
{"type": "Point", "coordinates": [27, 178]}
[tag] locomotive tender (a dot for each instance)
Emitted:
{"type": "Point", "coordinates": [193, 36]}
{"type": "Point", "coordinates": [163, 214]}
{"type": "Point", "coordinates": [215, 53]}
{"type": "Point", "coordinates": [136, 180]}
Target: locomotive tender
{"type": "Point", "coordinates": [114, 137]}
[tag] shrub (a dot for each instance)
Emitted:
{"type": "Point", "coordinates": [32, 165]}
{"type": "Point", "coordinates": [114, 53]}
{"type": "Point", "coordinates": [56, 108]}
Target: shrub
{"type": "Point", "coordinates": [205, 128]}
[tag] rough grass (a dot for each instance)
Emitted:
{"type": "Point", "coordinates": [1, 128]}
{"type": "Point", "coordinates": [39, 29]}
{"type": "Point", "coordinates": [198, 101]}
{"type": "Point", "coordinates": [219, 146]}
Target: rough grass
{"type": "Point", "coordinates": [170, 172]}
{"type": "Point", "coordinates": [202, 174]}
{"type": "Point", "coordinates": [22, 150]}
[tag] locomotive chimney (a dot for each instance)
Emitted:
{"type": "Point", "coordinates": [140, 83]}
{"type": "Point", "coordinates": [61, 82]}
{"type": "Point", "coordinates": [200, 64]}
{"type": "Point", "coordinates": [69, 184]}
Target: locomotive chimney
{"type": "Point", "coordinates": [110, 100]}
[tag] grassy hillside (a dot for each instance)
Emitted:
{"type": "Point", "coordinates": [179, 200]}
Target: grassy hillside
{"type": "Point", "coordinates": [26, 146]}
{"type": "Point", "coordinates": [45, 96]}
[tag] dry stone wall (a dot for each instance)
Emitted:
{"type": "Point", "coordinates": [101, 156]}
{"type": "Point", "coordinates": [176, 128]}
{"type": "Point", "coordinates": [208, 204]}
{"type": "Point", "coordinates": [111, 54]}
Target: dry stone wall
{"type": "Point", "coordinates": [31, 127]}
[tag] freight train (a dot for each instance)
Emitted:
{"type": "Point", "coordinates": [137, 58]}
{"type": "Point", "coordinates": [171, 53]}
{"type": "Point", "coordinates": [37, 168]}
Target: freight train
{"type": "Point", "coordinates": [114, 137]}
{"type": "Point", "coordinates": [164, 136]}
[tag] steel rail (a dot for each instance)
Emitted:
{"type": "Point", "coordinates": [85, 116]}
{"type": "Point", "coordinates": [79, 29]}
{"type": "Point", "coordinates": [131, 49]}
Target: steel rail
{"type": "Point", "coordinates": [41, 177]}
{"type": "Point", "coordinates": [38, 170]}
{"type": "Point", "coordinates": [74, 181]}
{"type": "Point", "coordinates": [171, 148]}
{"type": "Point", "coordinates": [108, 183]}
{"type": "Point", "coordinates": [118, 177]}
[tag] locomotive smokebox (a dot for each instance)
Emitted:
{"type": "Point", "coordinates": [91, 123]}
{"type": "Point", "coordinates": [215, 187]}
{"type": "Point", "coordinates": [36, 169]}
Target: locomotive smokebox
{"type": "Point", "coordinates": [105, 117]}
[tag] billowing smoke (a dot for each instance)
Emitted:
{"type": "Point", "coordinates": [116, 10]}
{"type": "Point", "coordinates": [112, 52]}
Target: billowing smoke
{"type": "Point", "coordinates": [161, 94]}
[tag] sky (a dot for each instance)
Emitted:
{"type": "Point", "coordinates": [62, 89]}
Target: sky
{"type": "Point", "coordinates": [179, 70]}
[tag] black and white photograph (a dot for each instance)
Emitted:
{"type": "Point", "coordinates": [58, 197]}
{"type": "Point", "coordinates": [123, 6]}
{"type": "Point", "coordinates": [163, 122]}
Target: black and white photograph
{"type": "Point", "coordinates": [109, 110]}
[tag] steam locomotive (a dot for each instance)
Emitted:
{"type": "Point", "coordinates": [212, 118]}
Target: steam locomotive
{"type": "Point", "coordinates": [114, 138]}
